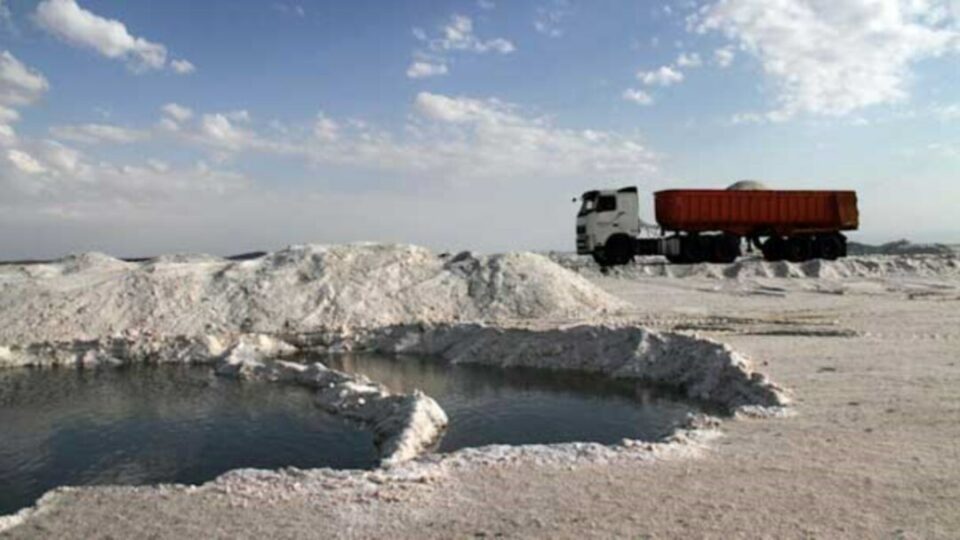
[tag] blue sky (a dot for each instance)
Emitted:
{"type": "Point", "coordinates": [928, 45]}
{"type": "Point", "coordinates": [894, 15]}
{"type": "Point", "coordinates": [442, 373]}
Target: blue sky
{"type": "Point", "coordinates": [138, 127]}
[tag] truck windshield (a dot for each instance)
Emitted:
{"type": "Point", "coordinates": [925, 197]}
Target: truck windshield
{"type": "Point", "coordinates": [589, 205]}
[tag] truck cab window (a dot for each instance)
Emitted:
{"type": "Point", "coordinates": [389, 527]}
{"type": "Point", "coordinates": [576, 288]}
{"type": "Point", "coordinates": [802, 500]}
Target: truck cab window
{"type": "Point", "coordinates": [607, 204]}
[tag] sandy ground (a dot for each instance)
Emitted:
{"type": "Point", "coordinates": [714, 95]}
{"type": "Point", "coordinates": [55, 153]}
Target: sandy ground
{"type": "Point", "coordinates": [873, 451]}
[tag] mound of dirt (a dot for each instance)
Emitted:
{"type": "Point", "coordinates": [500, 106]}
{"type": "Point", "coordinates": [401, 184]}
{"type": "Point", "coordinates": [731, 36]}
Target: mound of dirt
{"type": "Point", "coordinates": [298, 289]}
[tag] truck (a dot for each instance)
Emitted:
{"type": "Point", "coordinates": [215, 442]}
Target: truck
{"type": "Point", "coordinates": [716, 225]}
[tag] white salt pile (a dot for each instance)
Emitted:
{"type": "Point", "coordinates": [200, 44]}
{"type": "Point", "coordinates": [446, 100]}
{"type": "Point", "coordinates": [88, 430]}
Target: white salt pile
{"type": "Point", "coordinates": [298, 289]}
{"type": "Point", "coordinates": [852, 267]}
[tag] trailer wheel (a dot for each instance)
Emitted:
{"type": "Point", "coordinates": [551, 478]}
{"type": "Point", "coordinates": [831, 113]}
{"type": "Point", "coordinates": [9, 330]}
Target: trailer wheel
{"type": "Point", "coordinates": [692, 250]}
{"type": "Point", "coordinates": [773, 249]}
{"type": "Point", "coordinates": [829, 247]}
{"type": "Point", "coordinates": [798, 249]}
{"type": "Point", "coordinates": [725, 249]}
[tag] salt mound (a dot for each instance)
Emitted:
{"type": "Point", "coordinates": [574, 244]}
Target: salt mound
{"type": "Point", "coordinates": [851, 267]}
{"type": "Point", "coordinates": [298, 289]}
{"type": "Point", "coordinates": [92, 260]}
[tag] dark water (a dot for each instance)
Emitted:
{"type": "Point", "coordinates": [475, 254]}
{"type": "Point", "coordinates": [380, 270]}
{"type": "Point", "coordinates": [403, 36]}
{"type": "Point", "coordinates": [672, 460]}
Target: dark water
{"type": "Point", "coordinates": [143, 425]}
{"type": "Point", "coordinates": [489, 405]}
{"type": "Point", "coordinates": [162, 424]}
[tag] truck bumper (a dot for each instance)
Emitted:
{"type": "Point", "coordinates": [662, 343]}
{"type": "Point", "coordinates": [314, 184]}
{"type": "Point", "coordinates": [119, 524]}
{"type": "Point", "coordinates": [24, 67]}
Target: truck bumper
{"type": "Point", "coordinates": [584, 246]}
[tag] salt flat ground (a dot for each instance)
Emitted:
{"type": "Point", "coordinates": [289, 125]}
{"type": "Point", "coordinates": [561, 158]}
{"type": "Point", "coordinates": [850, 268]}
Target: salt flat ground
{"type": "Point", "coordinates": [872, 452]}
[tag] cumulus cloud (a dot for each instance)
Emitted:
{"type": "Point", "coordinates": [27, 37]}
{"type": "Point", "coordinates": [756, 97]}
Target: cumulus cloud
{"type": "Point", "coordinates": [98, 133]}
{"type": "Point", "coordinates": [637, 96]}
{"type": "Point", "coordinates": [290, 9]}
{"type": "Point", "coordinates": [549, 19]}
{"type": "Point", "coordinates": [458, 35]}
{"type": "Point", "coordinates": [77, 26]}
{"type": "Point", "coordinates": [422, 69]}
{"type": "Point", "coordinates": [24, 162]}
{"type": "Point", "coordinates": [19, 85]}
{"type": "Point", "coordinates": [182, 67]}
{"type": "Point", "coordinates": [833, 57]}
{"type": "Point", "coordinates": [690, 60]}
{"type": "Point", "coordinates": [446, 137]}
{"type": "Point", "coordinates": [665, 76]}
{"type": "Point", "coordinates": [724, 56]}
{"type": "Point", "coordinates": [176, 112]}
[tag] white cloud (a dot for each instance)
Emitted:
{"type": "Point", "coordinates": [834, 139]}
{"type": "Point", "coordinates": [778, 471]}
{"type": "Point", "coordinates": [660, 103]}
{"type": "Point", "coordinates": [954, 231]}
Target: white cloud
{"type": "Point", "coordinates": [665, 76]}
{"type": "Point", "coordinates": [98, 133]}
{"type": "Point", "coordinates": [637, 96]}
{"type": "Point", "coordinates": [465, 139]}
{"type": "Point", "coordinates": [458, 35]}
{"type": "Point", "coordinates": [6, 18]}
{"type": "Point", "coordinates": [943, 112]}
{"type": "Point", "coordinates": [217, 130]}
{"type": "Point", "coordinates": [486, 4]}
{"type": "Point", "coordinates": [45, 174]}
{"type": "Point", "coordinates": [691, 60]}
{"type": "Point", "coordinates": [241, 115]}
{"type": "Point", "coordinates": [182, 67]}
{"type": "Point", "coordinates": [77, 26]}
{"type": "Point", "coordinates": [19, 85]}
{"type": "Point", "coordinates": [178, 113]}
{"type": "Point", "coordinates": [724, 56]}
{"type": "Point", "coordinates": [325, 129]}
{"type": "Point", "coordinates": [290, 9]}
{"type": "Point", "coordinates": [549, 19]}
{"type": "Point", "coordinates": [832, 57]}
{"type": "Point", "coordinates": [421, 69]}
{"type": "Point", "coordinates": [24, 162]}
{"type": "Point", "coordinates": [8, 116]}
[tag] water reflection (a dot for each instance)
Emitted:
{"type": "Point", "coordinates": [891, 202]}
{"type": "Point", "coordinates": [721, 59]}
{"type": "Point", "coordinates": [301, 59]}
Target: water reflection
{"type": "Point", "coordinates": [142, 424]}
{"type": "Point", "coordinates": [488, 405]}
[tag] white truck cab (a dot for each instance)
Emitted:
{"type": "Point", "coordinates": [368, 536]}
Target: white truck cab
{"type": "Point", "coordinates": [608, 224]}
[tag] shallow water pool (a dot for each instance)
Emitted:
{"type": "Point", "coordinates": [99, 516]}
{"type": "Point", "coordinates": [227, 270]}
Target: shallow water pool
{"type": "Point", "coordinates": [491, 405]}
{"type": "Point", "coordinates": [139, 425]}
{"type": "Point", "coordinates": [158, 424]}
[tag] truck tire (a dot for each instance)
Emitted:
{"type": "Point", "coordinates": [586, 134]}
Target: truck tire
{"type": "Point", "coordinates": [692, 250]}
{"type": "Point", "coordinates": [619, 250]}
{"type": "Point", "coordinates": [773, 249]}
{"type": "Point", "coordinates": [829, 247]}
{"type": "Point", "coordinates": [798, 249]}
{"type": "Point", "coordinates": [724, 249]}
{"type": "Point", "coordinates": [600, 259]}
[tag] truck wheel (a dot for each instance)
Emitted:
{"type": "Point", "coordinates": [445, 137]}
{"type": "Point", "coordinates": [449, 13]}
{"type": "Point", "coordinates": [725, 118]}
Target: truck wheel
{"type": "Point", "coordinates": [724, 249]}
{"type": "Point", "coordinates": [692, 250]}
{"type": "Point", "coordinates": [619, 250]}
{"type": "Point", "coordinates": [600, 259]}
{"type": "Point", "coordinates": [773, 249]}
{"type": "Point", "coordinates": [798, 249]}
{"type": "Point", "coordinates": [829, 247]}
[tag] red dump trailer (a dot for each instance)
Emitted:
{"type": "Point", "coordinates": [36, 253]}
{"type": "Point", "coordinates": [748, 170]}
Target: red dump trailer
{"type": "Point", "coordinates": [756, 213]}
{"type": "Point", "coordinates": [796, 225]}
{"type": "Point", "coordinates": [712, 225]}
